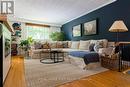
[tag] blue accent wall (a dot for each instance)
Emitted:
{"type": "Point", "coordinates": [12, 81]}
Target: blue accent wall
{"type": "Point", "coordinates": [105, 17]}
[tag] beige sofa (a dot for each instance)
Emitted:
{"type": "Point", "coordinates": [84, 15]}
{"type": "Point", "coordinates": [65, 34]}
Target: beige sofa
{"type": "Point", "coordinates": [72, 46]}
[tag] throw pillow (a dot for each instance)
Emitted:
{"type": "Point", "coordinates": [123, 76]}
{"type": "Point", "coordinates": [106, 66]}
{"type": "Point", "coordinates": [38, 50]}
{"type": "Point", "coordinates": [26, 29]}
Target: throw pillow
{"type": "Point", "coordinates": [59, 44]}
{"type": "Point", "coordinates": [96, 42]}
{"type": "Point", "coordinates": [69, 44]}
{"type": "Point", "coordinates": [53, 44]}
{"type": "Point", "coordinates": [91, 47]}
{"type": "Point", "coordinates": [104, 42]}
{"type": "Point", "coordinates": [84, 45]}
{"type": "Point", "coordinates": [65, 44]}
{"type": "Point", "coordinates": [97, 46]}
{"type": "Point", "coordinates": [37, 45]}
{"type": "Point", "coordinates": [46, 46]}
{"type": "Point", "coordinates": [75, 45]}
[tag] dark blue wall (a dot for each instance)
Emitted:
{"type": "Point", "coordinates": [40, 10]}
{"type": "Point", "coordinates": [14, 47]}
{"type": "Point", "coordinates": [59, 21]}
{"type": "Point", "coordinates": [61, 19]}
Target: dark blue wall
{"type": "Point", "coordinates": [105, 16]}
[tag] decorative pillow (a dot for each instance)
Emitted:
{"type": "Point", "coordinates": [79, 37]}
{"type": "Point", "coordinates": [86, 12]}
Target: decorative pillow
{"type": "Point", "coordinates": [111, 44]}
{"type": "Point", "coordinates": [97, 46]}
{"type": "Point", "coordinates": [59, 44]}
{"type": "Point", "coordinates": [37, 45]}
{"type": "Point", "coordinates": [46, 46]}
{"type": "Point", "coordinates": [104, 42]}
{"type": "Point", "coordinates": [93, 41]}
{"type": "Point", "coordinates": [69, 44]}
{"type": "Point", "coordinates": [97, 42]}
{"type": "Point", "coordinates": [84, 45]}
{"type": "Point", "coordinates": [75, 45]}
{"type": "Point", "coordinates": [91, 47]}
{"type": "Point", "coordinates": [53, 44]}
{"type": "Point", "coordinates": [65, 44]}
{"type": "Point", "coordinates": [107, 51]}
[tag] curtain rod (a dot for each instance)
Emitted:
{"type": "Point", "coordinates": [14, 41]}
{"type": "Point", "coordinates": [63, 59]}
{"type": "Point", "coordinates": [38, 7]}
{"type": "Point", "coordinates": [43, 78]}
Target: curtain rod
{"type": "Point", "coordinates": [41, 25]}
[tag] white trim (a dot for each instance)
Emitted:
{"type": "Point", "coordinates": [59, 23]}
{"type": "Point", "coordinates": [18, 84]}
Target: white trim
{"type": "Point", "coordinates": [16, 19]}
{"type": "Point", "coordinates": [91, 11]}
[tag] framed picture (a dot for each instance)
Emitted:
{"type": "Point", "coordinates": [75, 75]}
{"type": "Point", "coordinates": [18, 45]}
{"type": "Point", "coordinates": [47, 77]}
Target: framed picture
{"type": "Point", "coordinates": [90, 28]}
{"type": "Point", "coordinates": [77, 31]}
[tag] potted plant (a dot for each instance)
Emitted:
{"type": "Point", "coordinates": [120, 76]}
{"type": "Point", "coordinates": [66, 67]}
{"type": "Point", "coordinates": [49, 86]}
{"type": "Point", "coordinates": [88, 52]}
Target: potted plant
{"type": "Point", "coordinates": [57, 36]}
{"type": "Point", "coordinates": [25, 45]}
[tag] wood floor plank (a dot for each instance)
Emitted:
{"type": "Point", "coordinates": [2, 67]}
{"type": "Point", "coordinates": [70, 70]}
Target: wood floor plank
{"type": "Point", "coordinates": [105, 79]}
{"type": "Point", "coordinates": [16, 78]}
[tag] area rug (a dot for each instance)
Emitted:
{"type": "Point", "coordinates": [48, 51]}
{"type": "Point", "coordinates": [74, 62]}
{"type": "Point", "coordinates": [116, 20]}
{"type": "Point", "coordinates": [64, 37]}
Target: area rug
{"type": "Point", "coordinates": [38, 74]}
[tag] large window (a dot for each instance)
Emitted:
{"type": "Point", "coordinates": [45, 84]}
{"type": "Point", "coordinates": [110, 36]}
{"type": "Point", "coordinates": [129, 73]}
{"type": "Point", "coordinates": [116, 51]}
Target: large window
{"type": "Point", "coordinates": [40, 32]}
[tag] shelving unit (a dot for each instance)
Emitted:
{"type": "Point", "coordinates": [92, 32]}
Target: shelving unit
{"type": "Point", "coordinates": [5, 47]}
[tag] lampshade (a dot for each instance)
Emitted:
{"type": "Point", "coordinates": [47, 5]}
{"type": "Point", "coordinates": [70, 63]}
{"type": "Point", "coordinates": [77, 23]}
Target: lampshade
{"type": "Point", "coordinates": [118, 26]}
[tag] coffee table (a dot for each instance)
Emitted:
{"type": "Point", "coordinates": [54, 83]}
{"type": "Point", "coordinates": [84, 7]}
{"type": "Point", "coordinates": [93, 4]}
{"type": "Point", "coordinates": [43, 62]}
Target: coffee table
{"type": "Point", "coordinates": [55, 56]}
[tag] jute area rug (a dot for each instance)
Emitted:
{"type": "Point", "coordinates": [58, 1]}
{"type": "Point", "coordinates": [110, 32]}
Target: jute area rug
{"type": "Point", "coordinates": [38, 74]}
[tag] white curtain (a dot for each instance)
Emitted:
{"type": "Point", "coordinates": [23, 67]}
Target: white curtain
{"type": "Point", "coordinates": [41, 33]}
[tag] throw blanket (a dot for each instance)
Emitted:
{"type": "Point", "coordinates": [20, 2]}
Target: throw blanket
{"type": "Point", "coordinates": [88, 57]}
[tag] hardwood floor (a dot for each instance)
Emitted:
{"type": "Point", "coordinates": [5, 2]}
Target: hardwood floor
{"type": "Point", "coordinates": [16, 78]}
{"type": "Point", "coordinates": [105, 79]}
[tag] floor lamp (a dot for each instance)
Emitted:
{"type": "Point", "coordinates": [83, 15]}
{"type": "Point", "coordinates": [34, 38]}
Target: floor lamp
{"type": "Point", "coordinates": [118, 26]}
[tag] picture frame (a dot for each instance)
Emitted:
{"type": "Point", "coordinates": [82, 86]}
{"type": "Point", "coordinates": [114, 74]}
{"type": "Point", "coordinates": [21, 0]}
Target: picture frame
{"type": "Point", "coordinates": [76, 31]}
{"type": "Point", "coordinates": [90, 28]}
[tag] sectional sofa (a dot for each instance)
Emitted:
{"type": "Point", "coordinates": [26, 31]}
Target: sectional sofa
{"type": "Point", "coordinates": [73, 46]}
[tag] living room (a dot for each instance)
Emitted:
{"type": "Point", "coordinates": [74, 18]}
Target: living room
{"type": "Point", "coordinates": [65, 43]}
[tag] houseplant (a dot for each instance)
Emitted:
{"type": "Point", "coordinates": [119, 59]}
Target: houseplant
{"type": "Point", "coordinates": [25, 45]}
{"type": "Point", "coordinates": [57, 36]}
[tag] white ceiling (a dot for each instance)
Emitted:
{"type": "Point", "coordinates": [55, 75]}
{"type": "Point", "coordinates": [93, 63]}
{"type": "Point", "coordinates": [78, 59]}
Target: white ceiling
{"type": "Point", "coordinates": [55, 11]}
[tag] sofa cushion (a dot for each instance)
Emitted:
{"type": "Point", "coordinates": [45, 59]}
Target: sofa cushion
{"type": "Point", "coordinates": [84, 45]}
{"type": "Point", "coordinates": [75, 45]}
{"type": "Point", "coordinates": [36, 51]}
{"type": "Point", "coordinates": [70, 50]}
